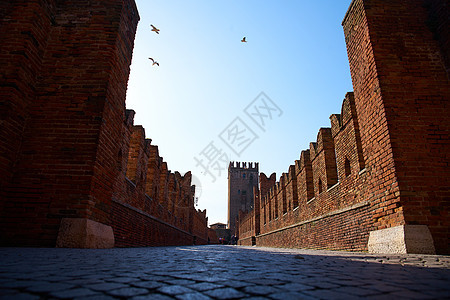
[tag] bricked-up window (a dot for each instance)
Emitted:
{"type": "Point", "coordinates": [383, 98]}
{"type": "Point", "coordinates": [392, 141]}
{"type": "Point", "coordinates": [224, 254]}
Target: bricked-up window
{"type": "Point", "coordinates": [320, 186]}
{"type": "Point", "coordinates": [119, 160]}
{"type": "Point", "coordinates": [348, 170]}
{"type": "Point", "coordinates": [264, 215]}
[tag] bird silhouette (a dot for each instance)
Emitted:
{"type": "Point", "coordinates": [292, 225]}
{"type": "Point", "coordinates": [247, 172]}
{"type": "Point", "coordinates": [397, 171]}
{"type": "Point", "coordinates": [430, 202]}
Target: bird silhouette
{"type": "Point", "coordinates": [155, 29]}
{"type": "Point", "coordinates": [154, 62]}
{"type": "Point", "coordinates": [244, 40]}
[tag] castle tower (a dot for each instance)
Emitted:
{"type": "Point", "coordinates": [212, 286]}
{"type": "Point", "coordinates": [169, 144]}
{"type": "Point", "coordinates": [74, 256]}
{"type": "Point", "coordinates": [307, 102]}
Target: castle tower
{"type": "Point", "coordinates": [242, 177]}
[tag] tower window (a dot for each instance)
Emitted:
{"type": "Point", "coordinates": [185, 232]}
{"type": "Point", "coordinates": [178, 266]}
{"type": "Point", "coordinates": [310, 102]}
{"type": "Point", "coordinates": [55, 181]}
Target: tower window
{"type": "Point", "coordinates": [320, 186]}
{"type": "Point", "coordinates": [348, 170]}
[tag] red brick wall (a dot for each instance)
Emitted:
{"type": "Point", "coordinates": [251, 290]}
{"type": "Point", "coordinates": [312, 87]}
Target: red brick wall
{"type": "Point", "coordinates": [414, 87]}
{"type": "Point", "coordinates": [200, 227]}
{"type": "Point", "coordinates": [136, 214]}
{"type": "Point", "coordinates": [138, 229]}
{"type": "Point", "coordinates": [212, 236]}
{"type": "Point", "coordinates": [24, 33]}
{"type": "Point", "coordinates": [336, 198]}
{"type": "Point", "coordinates": [347, 233]}
{"type": "Point", "coordinates": [384, 161]}
{"type": "Point", "coordinates": [72, 114]}
{"type": "Point", "coordinates": [70, 147]}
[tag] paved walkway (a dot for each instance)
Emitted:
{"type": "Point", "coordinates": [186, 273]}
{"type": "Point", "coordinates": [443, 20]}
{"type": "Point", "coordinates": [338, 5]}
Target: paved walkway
{"type": "Point", "coordinates": [219, 272]}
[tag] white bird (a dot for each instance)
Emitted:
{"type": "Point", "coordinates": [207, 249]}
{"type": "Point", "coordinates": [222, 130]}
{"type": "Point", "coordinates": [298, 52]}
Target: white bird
{"type": "Point", "coordinates": [154, 62]}
{"type": "Point", "coordinates": [244, 40]}
{"type": "Point", "coordinates": [155, 29]}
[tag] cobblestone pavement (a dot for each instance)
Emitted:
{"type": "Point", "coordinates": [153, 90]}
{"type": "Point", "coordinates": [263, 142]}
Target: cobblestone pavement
{"type": "Point", "coordinates": [219, 272]}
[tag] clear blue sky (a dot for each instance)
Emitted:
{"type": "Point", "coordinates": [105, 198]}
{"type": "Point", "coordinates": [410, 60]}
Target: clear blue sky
{"type": "Point", "coordinates": [207, 77]}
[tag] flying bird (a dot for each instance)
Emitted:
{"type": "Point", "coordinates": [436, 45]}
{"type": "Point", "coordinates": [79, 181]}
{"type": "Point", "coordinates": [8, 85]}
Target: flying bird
{"type": "Point", "coordinates": [155, 29]}
{"type": "Point", "coordinates": [154, 62]}
{"type": "Point", "coordinates": [244, 40]}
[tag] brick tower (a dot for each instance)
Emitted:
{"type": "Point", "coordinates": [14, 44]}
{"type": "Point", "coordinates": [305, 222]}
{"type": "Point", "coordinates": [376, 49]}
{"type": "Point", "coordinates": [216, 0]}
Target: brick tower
{"type": "Point", "coordinates": [242, 177]}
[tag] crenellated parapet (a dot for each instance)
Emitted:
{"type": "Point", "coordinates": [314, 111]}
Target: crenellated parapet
{"type": "Point", "coordinates": [311, 187]}
{"type": "Point", "coordinates": [251, 166]}
{"type": "Point", "coordinates": [347, 139]}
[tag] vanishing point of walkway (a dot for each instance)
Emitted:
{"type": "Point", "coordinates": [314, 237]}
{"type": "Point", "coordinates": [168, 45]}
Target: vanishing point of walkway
{"type": "Point", "coordinates": [219, 272]}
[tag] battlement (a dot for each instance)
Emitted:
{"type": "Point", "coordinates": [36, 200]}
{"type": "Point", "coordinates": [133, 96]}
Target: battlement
{"type": "Point", "coordinates": [251, 166]}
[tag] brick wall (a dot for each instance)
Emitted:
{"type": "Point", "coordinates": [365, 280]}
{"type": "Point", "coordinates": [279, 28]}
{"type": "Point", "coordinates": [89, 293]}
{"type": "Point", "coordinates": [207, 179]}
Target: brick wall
{"type": "Point", "coordinates": [69, 147]}
{"type": "Point", "coordinates": [137, 193]}
{"type": "Point", "coordinates": [316, 215]}
{"type": "Point", "coordinates": [385, 160]}
{"type": "Point", "coordinates": [65, 149]}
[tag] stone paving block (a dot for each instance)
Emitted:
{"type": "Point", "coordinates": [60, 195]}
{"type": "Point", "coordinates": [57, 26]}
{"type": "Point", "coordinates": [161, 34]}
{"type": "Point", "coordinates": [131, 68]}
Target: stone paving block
{"type": "Point", "coordinates": [261, 290]}
{"type": "Point", "coordinates": [236, 284]}
{"type": "Point", "coordinates": [439, 283]}
{"type": "Point", "coordinates": [357, 291]}
{"type": "Point", "coordinates": [184, 282]}
{"type": "Point", "coordinates": [296, 287]}
{"type": "Point", "coordinates": [151, 277]}
{"type": "Point", "coordinates": [20, 296]}
{"type": "Point", "coordinates": [128, 292]}
{"type": "Point", "coordinates": [152, 297]}
{"type": "Point", "coordinates": [322, 284]}
{"type": "Point", "coordinates": [193, 296]}
{"type": "Point", "coordinates": [225, 293]}
{"type": "Point", "coordinates": [122, 279]}
{"type": "Point", "coordinates": [4, 292]}
{"type": "Point", "coordinates": [174, 289]}
{"type": "Point", "coordinates": [106, 286]}
{"type": "Point", "coordinates": [410, 295]}
{"type": "Point", "coordinates": [96, 297]}
{"type": "Point", "coordinates": [204, 286]}
{"type": "Point", "coordinates": [329, 294]}
{"type": "Point", "coordinates": [83, 281]}
{"type": "Point", "coordinates": [264, 281]}
{"type": "Point", "coordinates": [17, 284]}
{"type": "Point", "coordinates": [49, 287]}
{"type": "Point", "coordinates": [214, 278]}
{"type": "Point", "coordinates": [147, 284]}
{"type": "Point", "coordinates": [290, 296]}
{"type": "Point", "coordinates": [384, 288]}
{"type": "Point", "coordinates": [73, 293]}
{"type": "Point", "coordinates": [440, 294]}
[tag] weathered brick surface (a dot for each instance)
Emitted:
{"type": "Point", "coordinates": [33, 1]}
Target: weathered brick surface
{"type": "Point", "coordinates": [143, 229]}
{"type": "Point", "coordinates": [385, 160]}
{"type": "Point", "coordinates": [69, 147]}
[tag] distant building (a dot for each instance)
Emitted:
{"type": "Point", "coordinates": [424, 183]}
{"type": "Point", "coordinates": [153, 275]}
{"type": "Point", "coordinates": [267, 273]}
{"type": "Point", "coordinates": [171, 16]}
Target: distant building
{"type": "Point", "coordinates": [218, 226]}
{"type": "Point", "coordinates": [223, 234]}
{"type": "Point", "coordinates": [242, 177]}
